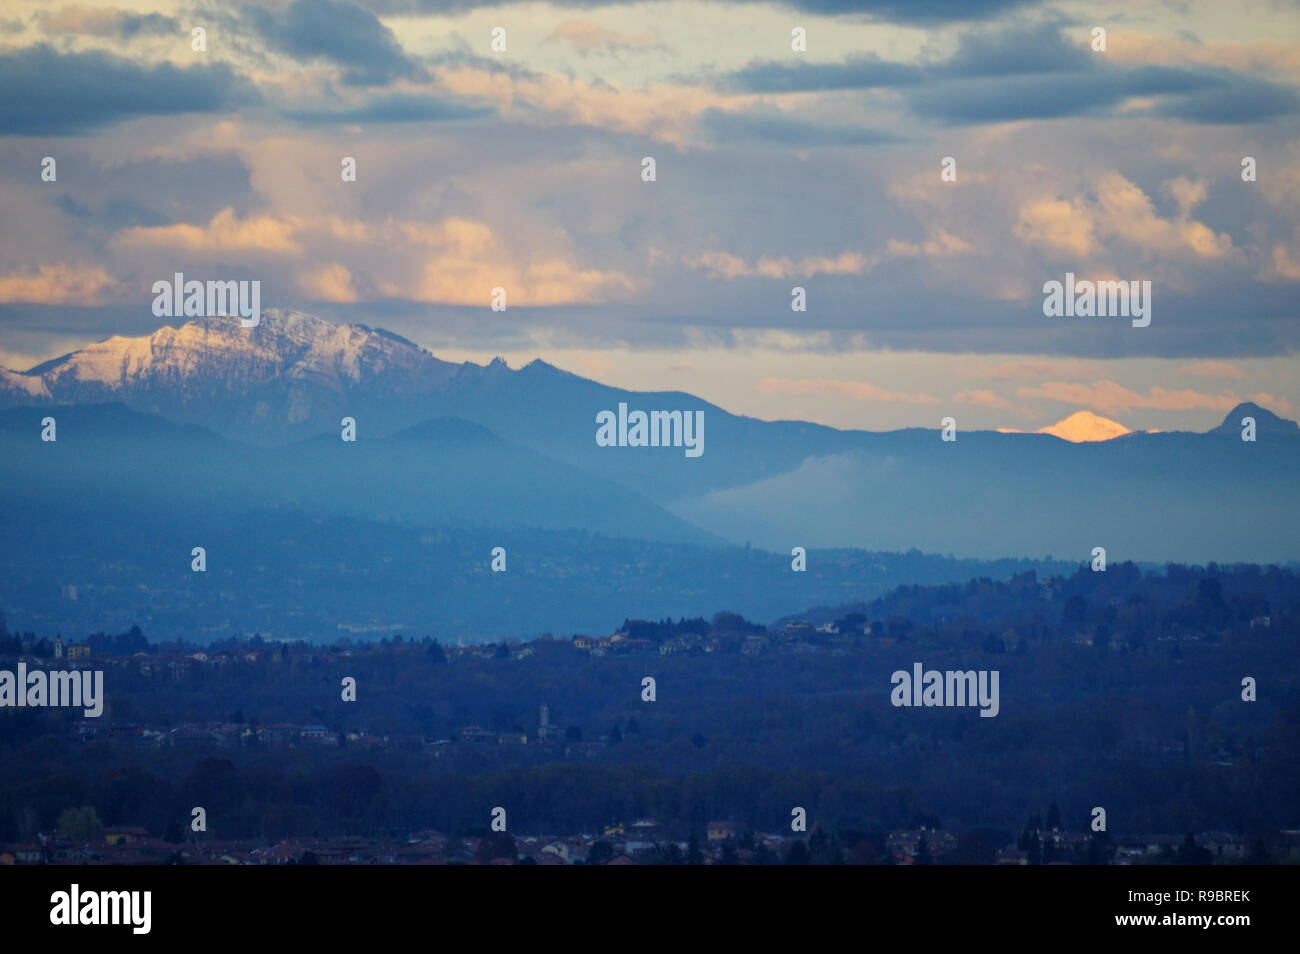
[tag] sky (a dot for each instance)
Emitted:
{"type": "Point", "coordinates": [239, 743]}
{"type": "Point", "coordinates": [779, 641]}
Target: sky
{"type": "Point", "coordinates": [775, 168]}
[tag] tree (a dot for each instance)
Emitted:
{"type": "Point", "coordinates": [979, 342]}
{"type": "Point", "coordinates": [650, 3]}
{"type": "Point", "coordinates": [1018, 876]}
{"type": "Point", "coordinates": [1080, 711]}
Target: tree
{"type": "Point", "coordinates": [1053, 817]}
{"type": "Point", "coordinates": [80, 824]}
{"type": "Point", "coordinates": [600, 852]}
{"type": "Point", "coordinates": [797, 853]}
{"type": "Point", "coordinates": [436, 654]}
{"type": "Point", "coordinates": [923, 856]}
{"type": "Point", "coordinates": [694, 856]}
{"type": "Point", "coordinates": [496, 844]}
{"type": "Point", "coordinates": [173, 833]}
{"type": "Point", "coordinates": [1076, 608]}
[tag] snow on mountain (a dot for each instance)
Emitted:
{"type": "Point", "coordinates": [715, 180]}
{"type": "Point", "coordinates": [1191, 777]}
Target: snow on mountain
{"type": "Point", "coordinates": [1085, 426]}
{"type": "Point", "coordinates": [289, 370]}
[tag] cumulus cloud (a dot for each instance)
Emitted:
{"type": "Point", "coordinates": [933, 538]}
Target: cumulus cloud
{"type": "Point", "coordinates": [57, 285]}
{"type": "Point", "coordinates": [226, 232]}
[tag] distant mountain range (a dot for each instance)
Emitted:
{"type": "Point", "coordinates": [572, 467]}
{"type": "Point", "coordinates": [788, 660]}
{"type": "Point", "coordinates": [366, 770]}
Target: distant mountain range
{"type": "Point", "coordinates": [218, 418]}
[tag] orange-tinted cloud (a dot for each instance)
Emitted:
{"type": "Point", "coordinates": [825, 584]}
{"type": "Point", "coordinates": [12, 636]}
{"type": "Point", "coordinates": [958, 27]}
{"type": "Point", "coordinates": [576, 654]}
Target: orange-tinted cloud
{"type": "Point", "coordinates": [857, 390]}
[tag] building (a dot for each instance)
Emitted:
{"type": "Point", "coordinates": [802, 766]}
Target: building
{"type": "Point", "coordinates": [545, 731]}
{"type": "Point", "coordinates": [720, 831]}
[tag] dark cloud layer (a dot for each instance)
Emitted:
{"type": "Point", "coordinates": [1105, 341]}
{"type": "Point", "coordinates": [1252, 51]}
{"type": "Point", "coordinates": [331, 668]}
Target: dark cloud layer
{"type": "Point", "coordinates": [726, 126]}
{"type": "Point", "coordinates": [895, 11]}
{"type": "Point", "coordinates": [338, 31]}
{"type": "Point", "coordinates": [1030, 72]}
{"type": "Point", "coordinates": [44, 92]}
{"type": "Point", "coordinates": [393, 109]}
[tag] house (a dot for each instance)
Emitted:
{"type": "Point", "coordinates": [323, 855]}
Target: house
{"type": "Point", "coordinates": [474, 733]}
{"type": "Point", "coordinates": [1261, 622]}
{"type": "Point", "coordinates": [28, 854]}
{"type": "Point", "coordinates": [318, 734]}
{"type": "Point", "coordinates": [79, 650]}
{"type": "Point", "coordinates": [556, 849]}
{"type": "Point", "coordinates": [584, 642]}
{"type": "Point", "coordinates": [124, 836]}
{"type": "Point", "coordinates": [720, 831]}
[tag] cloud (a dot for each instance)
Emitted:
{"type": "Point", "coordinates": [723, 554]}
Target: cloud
{"type": "Point", "coordinates": [455, 279]}
{"type": "Point", "coordinates": [395, 108]}
{"type": "Point", "coordinates": [982, 398]}
{"type": "Point", "coordinates": [329, 283]}
{"type": "Point", "coordinates": [587, 37]}
{"type": "Point", "coordinates": [1028, 368]}
{"type": "Point", "coordinates": [1213, 369]}
{"type": "Point", "coordinates": [1275, 404]}
{"type": "Point", "coordinates": [857, 390]}
{"type": "Point", "coordinates": [1107, 396]}
{"type": "Point", "coordinates": [106, 21]}
{"type": "Point", "coordinates": [44, 92]}
{"type": "Point", "coordinates": [1283, 266]}
{"type": "Point", "coordinates": [661, 110]}
{"type": "Point", "coordinates": [1118, 210]}
{"type": "Point", "coordinates": [725, 125]}
{"type": "Point", "coordinates": [57, 285]}
{"type": "Point", "coordinates": [1064, 224]}
{"type": "Point", "coordinates": [862, 71]}
{"type": "Point", "coordinates": [339, 32]}
{"type": "Point", "coordinates": [724, 265]}
{"type": "Point", "coordinates": [892, 11]}
{"type": "Point", "coordinates": [1040, 70]}
{"type": "Point", "coordinates": [224, 233]}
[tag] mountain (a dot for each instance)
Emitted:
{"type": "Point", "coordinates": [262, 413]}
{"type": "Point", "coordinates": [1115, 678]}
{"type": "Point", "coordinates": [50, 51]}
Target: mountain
{"type": "Point", "coordinates": [1266, 422]}
{"type": "Point", "coordinates": [1085, 426]}
{"type": "Point", "coordinates": [295, 376]}
{"type": "Point", "coordinates": [291, 376]}
{"type": "Point", "coordinates": [440, 473]}
{"type": "Point", "coordinates": [324, 538]}
{"type": "Point", "coordinates": [534, 460]}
